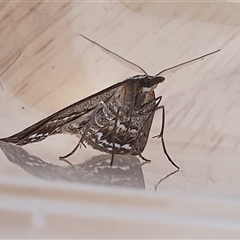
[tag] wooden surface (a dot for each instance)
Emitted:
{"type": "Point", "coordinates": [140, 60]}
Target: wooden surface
{"type": "Point", "coordinates": [57, 67]}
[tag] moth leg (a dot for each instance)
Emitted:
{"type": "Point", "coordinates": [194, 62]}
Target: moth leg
{"type": "Point", "coordinates": [109, 115]}
{"type": "Point", "coordinates": [75, 149]}
{"type": "Point", "coordinates": [157, 100]}
{"type": "Point", "coordinates": [162, 139]}
{"type": "Point", "coordinates": [143, 158]}
{"type": "Point", "coordinates": [114, 135]}
{"type": "Point", "coordinates": [72, 152]}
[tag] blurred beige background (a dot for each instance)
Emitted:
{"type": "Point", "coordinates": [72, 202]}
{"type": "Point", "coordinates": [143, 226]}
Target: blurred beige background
{"type": "Point", "coordinates": [57, 67]}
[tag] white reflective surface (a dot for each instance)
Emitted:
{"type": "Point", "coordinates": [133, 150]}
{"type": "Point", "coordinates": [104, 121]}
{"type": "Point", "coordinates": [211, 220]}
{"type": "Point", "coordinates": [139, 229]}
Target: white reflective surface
{"type": "Point", "coordinates": [57, 68]}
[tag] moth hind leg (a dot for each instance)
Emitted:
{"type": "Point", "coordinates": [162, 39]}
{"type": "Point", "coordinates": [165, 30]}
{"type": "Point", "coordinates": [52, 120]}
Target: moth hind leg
{"type": "Point", "coordinates": [160, 135]}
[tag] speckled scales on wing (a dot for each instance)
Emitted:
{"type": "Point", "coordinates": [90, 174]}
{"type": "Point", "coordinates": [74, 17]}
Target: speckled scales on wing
{"type": "Point", "coordinates": [56, 122]}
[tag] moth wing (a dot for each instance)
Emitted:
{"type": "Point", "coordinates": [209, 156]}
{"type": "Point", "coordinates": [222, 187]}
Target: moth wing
{"type": "Point", "coordinates": [79, 112]}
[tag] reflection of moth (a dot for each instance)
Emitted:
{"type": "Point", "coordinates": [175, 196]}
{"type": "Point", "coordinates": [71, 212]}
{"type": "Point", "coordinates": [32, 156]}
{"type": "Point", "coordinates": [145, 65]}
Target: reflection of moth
{"type": "Point", "coordinates": [127, 171]}
{"type": "Point", "coordinates": [116, 120]}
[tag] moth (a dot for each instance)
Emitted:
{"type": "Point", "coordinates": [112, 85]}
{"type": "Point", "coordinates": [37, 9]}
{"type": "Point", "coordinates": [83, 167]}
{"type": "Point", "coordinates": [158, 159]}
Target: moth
{"type": "Point", "coordinates": [116, 120]}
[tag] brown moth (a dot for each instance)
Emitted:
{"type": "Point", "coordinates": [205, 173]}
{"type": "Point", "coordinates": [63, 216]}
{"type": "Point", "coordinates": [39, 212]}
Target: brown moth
{"type": "Point", "coordinates": [116, 120]}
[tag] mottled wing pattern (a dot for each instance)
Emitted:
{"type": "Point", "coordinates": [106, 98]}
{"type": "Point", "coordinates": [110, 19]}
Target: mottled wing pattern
{"type": "Point", "coordinates": [56, 123]}
{"type": "Point", "coordinates": [132, 128]}
{"type": "Point", "coordinates": [143, 122]}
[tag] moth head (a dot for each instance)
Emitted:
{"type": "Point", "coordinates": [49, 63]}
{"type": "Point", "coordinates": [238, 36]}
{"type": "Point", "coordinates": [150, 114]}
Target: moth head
{"type": "Point", "coordinates": [153, 80]}
{"type": "Point", "coordinates": [150, 81]}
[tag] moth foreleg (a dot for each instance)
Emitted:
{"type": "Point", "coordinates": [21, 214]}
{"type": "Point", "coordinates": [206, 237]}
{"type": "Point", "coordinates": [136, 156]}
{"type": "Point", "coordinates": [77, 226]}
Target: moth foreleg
{"type": "Point", "coordinates": [161, 136]}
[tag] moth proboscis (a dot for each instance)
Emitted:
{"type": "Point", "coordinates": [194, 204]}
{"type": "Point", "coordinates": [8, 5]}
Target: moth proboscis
{"type": "Point", "coordinates": [116, 120]}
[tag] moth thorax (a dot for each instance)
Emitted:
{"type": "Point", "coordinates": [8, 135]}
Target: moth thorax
{"type": "Point", "coordinates": [149, 89]}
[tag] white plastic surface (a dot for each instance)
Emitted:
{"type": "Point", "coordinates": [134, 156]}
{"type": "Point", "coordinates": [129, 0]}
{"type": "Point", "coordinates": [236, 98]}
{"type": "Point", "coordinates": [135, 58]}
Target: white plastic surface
{"type": "Point", "coordinates": [44, 197]}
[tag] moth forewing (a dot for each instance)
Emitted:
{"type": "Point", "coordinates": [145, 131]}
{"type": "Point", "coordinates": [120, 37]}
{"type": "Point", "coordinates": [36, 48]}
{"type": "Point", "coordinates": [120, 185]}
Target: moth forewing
{"type": "Point", "coordinates": [73, 116]}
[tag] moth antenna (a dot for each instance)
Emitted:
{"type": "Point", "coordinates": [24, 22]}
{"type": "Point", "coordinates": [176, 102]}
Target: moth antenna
{"type": "Point", "coordinates": [118, 58]}
{"type": "Point", "coordinates": [185, 64]}
{"type": "Point", "coordinates": [9, 67]}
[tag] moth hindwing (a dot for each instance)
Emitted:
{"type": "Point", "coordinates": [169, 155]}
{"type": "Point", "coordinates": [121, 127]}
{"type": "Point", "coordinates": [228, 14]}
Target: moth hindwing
{"type": "Point", "coordinates": [116, 120]}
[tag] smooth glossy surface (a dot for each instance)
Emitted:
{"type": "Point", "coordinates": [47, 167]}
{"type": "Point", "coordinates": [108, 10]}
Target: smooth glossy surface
{"type": "Point", "coordinates": [42, 196]}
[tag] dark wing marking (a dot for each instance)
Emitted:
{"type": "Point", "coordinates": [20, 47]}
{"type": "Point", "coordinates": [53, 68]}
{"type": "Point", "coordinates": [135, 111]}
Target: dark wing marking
{"type": "Point", "coordinates": [56, 122]}
{"type": "Point", "coordinates": [118, 58]}
{"type": "Point", "coordinates": [185, 64]}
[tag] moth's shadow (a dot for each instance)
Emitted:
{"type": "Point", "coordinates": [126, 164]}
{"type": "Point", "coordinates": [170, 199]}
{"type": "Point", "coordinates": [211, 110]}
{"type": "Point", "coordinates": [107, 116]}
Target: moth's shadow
{"type": "Point", "coordinates": [126, 170]}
